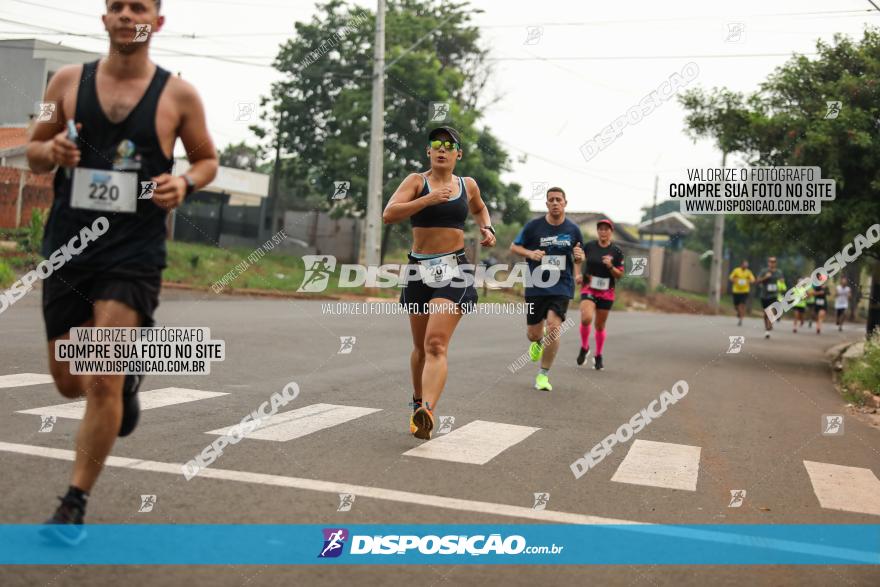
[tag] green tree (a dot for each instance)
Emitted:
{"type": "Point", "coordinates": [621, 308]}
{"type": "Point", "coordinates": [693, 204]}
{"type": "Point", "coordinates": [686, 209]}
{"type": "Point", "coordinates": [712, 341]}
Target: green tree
{"type": "Point", "coordinates": [785, 123]}
{"type": "Point", "coordinates": [241, 156]}
{"type": "Point", "coordinates": [321, 106]}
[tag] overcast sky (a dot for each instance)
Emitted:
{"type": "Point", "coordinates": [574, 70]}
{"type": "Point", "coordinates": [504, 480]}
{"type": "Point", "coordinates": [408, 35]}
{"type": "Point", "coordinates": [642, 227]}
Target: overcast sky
{"type": "Point", "coordinates": [559, 84]}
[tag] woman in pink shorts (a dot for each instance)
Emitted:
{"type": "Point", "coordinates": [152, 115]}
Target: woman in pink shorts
{"type": "Point", "coordinates": [604, 265]}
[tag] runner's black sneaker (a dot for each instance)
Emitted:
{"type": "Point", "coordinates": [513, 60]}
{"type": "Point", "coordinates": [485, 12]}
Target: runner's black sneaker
{"type": "Point", "coordinates": [582, 355]}
{"type": "Point", "coordinates": [66, 525]}
{"type": "Point", "coordinates": [597, 363]}
{"type": "Point", "coordinates": [416, 403]}
{"type": "Point", "coordinates": [131, 405]}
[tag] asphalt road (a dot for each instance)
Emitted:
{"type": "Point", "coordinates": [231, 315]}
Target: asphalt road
{"type": "Point", "coordinates": [751, 418]}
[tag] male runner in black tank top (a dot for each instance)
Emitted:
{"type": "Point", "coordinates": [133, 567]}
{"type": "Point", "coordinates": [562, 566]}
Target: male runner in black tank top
{"type": "Point", "coordinates": [129, 113]}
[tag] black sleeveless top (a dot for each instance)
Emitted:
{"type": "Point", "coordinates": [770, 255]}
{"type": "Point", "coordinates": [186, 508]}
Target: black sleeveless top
{"type": "Point", "coordinates": [133, 239]}
{"type": "Point", "coordinates": [451, 214]}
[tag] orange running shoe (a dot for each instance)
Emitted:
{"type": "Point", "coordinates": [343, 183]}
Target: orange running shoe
{"type": "Point", "coordinates": [421, 423]}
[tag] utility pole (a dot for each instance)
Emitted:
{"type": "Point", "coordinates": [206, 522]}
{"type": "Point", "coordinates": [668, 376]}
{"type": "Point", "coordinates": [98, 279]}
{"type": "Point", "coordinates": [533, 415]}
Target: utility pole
{"type": "Point", "coordinates": [653, 212]}
{"type": "Point", "coordinates": [717, 252]}
{"type": "Point", "coordinates": [276, 175]}
{"type": "Point", "coordinates": [370, 252]}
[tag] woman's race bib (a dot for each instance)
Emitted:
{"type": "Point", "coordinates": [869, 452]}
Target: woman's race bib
{"type": "Point", "coordinates": [771, 287]}
{"type": "Point", "coordinates": [439, 269]}
{"type": "Point", "coordinates": [600, 283]}
{"type": "Point", "coordinates": [820, 301]}
{"type": "Point", "coordinates": [741, 281]}
{"type": "Point", "coordinates": [104, 191]}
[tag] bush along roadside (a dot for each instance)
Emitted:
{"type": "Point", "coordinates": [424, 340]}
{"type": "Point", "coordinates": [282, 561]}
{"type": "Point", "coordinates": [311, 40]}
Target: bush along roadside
{"type": "Point", "coordinates": [861, 372]}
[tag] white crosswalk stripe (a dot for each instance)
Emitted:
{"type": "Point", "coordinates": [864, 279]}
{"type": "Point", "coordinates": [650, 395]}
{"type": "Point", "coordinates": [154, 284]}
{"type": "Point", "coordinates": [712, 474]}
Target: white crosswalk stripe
{"type": "Point", "coordinates": [850, 489]}
{"type": "Point", "coordinates": [660, 464]}
{"type": "Point", "coordinates": [24, 379]}
{"type": "Point", "coordinates": [475, 443]}
{"type": "Point", "coordinates": [156, 398]}
{"type": "Point", "coordinates": [301, 422]}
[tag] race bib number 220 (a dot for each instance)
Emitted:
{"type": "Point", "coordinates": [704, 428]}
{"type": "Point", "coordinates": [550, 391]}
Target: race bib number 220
{"type": "Point", "coordinates": [104, 191]}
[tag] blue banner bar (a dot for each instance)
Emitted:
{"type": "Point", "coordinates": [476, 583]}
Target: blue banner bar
{"type": "Point", "coordinates": [503, 544]}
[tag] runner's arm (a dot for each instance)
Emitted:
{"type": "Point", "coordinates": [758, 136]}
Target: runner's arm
{"type": "Point", "coordinates": [479, 211]}
{"type": "Point", "coordinates": [403, 202]}
{"type": "Point", "coordinates": [517, 247]}
{"type": "Point", "coordinates": [45, 149]}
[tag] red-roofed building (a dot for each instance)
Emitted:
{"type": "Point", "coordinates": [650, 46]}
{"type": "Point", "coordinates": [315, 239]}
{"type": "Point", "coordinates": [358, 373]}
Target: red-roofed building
{"type": "Point", "coordinates": [13, 144]}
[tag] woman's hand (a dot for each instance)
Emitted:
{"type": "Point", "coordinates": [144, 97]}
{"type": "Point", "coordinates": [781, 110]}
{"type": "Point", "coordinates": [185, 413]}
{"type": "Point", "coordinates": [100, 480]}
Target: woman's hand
{"type": "Point", "coordinates": [488, 238]}
{"type": "Point", "coordinates": [438, 196]}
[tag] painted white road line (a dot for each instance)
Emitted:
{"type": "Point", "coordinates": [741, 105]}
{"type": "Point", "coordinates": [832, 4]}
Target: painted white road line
{"type": "Point", "coordinates": [301, 422]}
{"type": "Point", "coordinates": [660, 464]}
{"type": "Point", "coordinates": [332, 487]}
{"type": "Point", "coordinates": [475, 443]}
{"type": "Point", "coordinates": [850, 489]}
{"type": "Point", "coordinates": [155, 398]}
{"type": "Point", "coordinates": [451, 503]}
{"type": "Point", "coordinates": [23, 379]}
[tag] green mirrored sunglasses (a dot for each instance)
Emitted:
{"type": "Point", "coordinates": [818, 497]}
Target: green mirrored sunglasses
{"type": "Point", "coordinates": [448, 145]}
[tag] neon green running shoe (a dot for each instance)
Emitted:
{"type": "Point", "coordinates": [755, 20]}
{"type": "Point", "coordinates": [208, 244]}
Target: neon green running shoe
{"type": "Point", "coordinates": [535, 351]}
{"type": "Point", "coordinates": [542, 382]}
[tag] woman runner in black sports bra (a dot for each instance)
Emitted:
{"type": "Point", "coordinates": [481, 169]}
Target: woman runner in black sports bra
{"type": "Point", "coordinates": [437, 204]}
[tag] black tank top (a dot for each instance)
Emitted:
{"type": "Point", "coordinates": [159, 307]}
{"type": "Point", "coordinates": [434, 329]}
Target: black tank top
{"type": "Point", "coordinates": [133, 239]}
{"type": "Point", "coordinates": [451, 214]}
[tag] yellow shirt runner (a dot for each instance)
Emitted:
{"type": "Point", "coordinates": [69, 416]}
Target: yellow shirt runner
{"type": "Point", "coordinates": [742, 280]}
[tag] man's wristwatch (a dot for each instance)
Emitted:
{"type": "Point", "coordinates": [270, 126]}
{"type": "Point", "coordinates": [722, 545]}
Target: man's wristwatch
{"type": "Point", "coordinates": [190, 184]}
{"type": "Point", "coordinates": [490, 229]}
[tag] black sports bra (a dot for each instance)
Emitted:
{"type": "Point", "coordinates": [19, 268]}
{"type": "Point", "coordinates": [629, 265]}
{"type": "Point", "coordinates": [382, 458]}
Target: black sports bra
{"type": "Point", "coordinates": [451, 214]}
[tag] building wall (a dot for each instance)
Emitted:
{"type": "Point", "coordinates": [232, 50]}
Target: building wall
{"type": "Point", "coordinates": [325, 236]}
{"type": "Point", "coordinates": [26, 65]}
{"type": "Point", "coordinates": [36, 192]}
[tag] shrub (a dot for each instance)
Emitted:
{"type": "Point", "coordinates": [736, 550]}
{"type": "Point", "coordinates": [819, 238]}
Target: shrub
{"type": "Point", "coordinates": [864, 374]}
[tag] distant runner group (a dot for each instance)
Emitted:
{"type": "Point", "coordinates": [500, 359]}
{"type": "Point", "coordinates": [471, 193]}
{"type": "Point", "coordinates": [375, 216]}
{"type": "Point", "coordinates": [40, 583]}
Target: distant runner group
{"type": "Point", "coordinates": [811, 301]}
